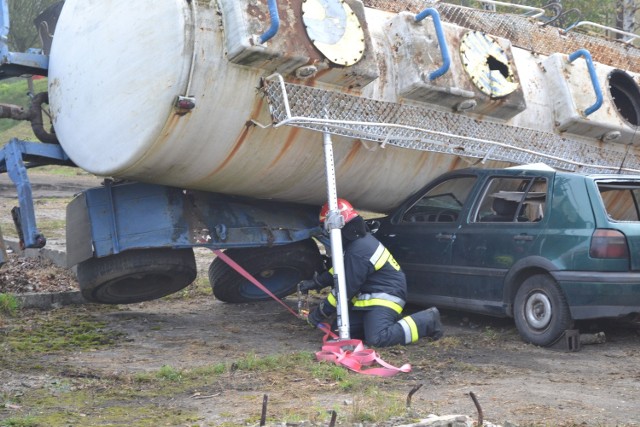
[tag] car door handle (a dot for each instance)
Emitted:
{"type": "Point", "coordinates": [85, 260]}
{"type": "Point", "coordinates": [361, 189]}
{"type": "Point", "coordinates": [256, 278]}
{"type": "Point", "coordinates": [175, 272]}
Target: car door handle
{"type": "Point", "coordinates": [445, 236]}
{"type": "Point", "coordinates": [523, 238]}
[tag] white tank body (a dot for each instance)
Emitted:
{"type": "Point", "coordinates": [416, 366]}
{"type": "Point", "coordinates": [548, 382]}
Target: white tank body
{"type": "Point", "coordinates": [118, 66]}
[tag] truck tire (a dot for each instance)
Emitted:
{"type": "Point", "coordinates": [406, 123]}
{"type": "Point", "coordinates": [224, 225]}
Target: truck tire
{"type": "Point", "coordinates": [136, 275]}
{"type": "Point", "coordinates": [541, 312]}
{"type": "Point", "coordinates": [278, 268]}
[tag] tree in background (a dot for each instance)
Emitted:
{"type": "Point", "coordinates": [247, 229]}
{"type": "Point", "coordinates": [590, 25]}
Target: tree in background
{"type": "Point", "coordinates": [23, 34]}
{"type": "Point", "coordinates": [626, 16]}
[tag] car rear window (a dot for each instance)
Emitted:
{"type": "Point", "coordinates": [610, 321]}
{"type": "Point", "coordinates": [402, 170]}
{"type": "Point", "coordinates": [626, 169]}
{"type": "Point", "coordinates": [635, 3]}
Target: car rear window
{"type": "Point", "coordinates": [620, 199]}
{"type": "Point", "coordinates": [513, 199]}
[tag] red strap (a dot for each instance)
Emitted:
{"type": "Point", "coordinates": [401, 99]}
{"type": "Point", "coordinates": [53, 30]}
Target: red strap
{"type": "Point", "coordinates": [355, 359]}
{"type": "Point", "coordinates": [333, 351]}
{"type": "Point", "coordinates": [250, 278]}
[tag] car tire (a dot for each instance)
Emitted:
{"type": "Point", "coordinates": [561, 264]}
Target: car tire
{"type": "Point", "coordinates": [541, 312]}
{"type": "Point", "coordinates": [136, 275]}
{"type": "Point", "coordinates": [279, 269]}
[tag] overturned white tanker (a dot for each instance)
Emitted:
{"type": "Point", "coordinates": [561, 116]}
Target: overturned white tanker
{"type": "Point", "coordinates": [208, 119]}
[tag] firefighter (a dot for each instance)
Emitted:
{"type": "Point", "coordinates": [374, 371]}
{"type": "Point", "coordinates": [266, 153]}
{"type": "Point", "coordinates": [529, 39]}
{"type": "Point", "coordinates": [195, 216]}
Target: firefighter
{"type": "Point", "coordinates": [376, 289]}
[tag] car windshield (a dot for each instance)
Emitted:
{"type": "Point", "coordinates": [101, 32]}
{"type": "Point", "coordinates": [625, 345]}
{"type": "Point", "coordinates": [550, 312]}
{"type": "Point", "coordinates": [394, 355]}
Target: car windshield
{"type": "Point", "coordinates": [621, 199]}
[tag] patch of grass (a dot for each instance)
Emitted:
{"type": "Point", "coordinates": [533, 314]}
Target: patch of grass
{"type": "Point", "coordinates": [19, 422]}
{"type": "Point", "coordinates": [111, 403]}
{"type": "Point", "coordinates": [376, 405]}
{"type": "Point", "coordinates": [59, 170]}
{"type": "Point", "coordinates": [331, 373]}
{"type": "Point", "coordinates": [251, 362]}
{"type": "Point", "coordinates": [447, 343]}
{"type": "Point", "coordinates": [167, 373]}
{"type": "Point", "coordinates": [57, 334]}
{"type": "Point", "coordinates": [490, 334]}
{"type": "Point", "coordinates": [52, 227]}
{"type": "Point", "coordinates": [20, 130]}
{"type": "Point", "coordinates": [9, 305]}
{"type": "Point", "coordinates": [207, 371]}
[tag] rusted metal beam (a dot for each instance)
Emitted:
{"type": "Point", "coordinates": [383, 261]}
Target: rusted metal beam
{"type": "Point", "coordinates": [411, 393]}
{"type": "Point", "coordinates": [478, 407]}
{"type": "Point", "coordinates": [263, 417]}
{"type": "Point", "coordinates": [3, 250]}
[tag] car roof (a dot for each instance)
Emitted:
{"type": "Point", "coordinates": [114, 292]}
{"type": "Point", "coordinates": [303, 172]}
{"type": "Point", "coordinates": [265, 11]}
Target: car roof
{"type": "Point", "coordinates": [541, 167]}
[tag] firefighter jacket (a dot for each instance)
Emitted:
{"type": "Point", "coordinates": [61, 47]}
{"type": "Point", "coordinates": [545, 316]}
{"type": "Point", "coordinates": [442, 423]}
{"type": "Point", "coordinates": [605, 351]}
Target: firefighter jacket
{"type": "Point", "coordinates": [373, 278]}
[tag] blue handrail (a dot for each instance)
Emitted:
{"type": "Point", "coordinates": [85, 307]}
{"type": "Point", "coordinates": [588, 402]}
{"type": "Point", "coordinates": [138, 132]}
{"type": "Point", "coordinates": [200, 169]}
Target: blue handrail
{"type": "Point", "coordinates": [275, 22]}
{"type": "Point", "coordinates": [594, 78]}
{"type": "Point", "coordinates": [446, 59]}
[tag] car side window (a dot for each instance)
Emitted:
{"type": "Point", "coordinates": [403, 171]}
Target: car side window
{"type": "Point", "coordinates": [512, 199]}
{"type": "Point", "coordinates": [442, 203]}
{"type": "Point", "coordinates": [621, 200]}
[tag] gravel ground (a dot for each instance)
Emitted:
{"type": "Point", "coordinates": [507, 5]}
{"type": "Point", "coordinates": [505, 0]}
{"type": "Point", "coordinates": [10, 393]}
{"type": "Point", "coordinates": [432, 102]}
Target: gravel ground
{"type": "Point", "coordinates": [22, 275]}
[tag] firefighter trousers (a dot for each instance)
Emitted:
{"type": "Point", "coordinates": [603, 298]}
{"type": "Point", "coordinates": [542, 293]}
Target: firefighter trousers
{"type": "Point", "coordinates": [380, 326]}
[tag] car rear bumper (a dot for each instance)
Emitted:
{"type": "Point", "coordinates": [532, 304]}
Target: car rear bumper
{"type": "Point", "coordinates": [594, 294]}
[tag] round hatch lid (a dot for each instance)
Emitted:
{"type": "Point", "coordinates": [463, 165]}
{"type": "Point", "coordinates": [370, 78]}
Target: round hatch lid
{"type": "Point", "coordinates": [334, 29]}
{"type": "Point", "coordinates": [487, 64]}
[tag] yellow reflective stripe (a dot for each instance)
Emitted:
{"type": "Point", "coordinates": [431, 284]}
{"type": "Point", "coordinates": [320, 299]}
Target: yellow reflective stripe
{"type": "Point", "coordinates": [378, 301]}
{"type": "Point", "coordinates": [413, 327]}
{"type": "Point", "coordinates": [394, 263]}
{"type": "Point", "coordinates": [331, 271]}
{"type": "Point", "coordinates": [331, 299]}
{"type": "Point", "coordinates": [382, 260]}
{"type": "Point", "coordinates": [381, 256]}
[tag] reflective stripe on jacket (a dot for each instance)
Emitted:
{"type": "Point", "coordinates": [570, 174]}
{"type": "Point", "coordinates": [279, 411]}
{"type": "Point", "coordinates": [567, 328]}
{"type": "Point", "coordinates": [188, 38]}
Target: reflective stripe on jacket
{"type": "Point", "coordinates": [372, 275]}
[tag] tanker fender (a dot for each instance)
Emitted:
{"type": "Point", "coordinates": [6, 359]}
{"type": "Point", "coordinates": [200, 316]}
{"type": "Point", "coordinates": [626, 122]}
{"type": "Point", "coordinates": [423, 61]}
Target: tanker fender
{"type": "Point", "coordinates": [122, 216]}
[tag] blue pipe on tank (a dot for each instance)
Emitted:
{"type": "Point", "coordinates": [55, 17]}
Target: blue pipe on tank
{"type": "Point", "coordinates": [594, 78]}
{"type": "Point", "coordinates": [275, 22]}
{"type": "Point", "coordinates": [446, 59]}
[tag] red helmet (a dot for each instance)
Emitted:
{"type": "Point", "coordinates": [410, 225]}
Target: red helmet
{"type": "Point", "coordinates": [346, 211]}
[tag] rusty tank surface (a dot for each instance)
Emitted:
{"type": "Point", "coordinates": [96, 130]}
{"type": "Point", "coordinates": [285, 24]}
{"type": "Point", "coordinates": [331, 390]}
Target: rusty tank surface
{"type": "Point", "coordinates": [234, 96]}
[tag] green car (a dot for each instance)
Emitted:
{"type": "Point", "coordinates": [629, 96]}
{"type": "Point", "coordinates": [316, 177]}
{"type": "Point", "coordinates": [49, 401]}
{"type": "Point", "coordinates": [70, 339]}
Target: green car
{"type": "Point", "coordinates": [541, 246]}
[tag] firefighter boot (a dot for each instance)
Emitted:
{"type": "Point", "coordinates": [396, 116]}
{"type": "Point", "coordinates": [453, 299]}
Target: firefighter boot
{"type": "Point", "coordinates": [428, 322]}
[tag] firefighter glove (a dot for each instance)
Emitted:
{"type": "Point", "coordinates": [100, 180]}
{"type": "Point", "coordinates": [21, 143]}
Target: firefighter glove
{"type": "Point", "coordinates": [310, 285]}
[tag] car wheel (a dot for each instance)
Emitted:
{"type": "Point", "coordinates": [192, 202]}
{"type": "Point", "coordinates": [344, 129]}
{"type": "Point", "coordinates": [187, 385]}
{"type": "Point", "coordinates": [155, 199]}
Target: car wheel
{"type": "Point", "coordinates": [541, 311]}
{"type": "Point", "coordinates": [136, 275]}
{"type": "Point", "coordinates": [278, 268]}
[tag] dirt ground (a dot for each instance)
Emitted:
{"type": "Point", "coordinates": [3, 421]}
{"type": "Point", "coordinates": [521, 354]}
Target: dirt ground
{"type": "Point", "coordinates": [515, 382]}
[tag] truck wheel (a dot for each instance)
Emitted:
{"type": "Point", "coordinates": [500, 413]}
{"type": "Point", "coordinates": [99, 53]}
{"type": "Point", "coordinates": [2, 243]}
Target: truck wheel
{"type": "Point", "coordinates": [541, 311]}
{"type": "Point", "coordinates": [136, 275]}
{"type": "Point", "coordinates": [278, 268]}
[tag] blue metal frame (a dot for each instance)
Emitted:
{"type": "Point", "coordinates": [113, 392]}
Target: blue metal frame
{"type": "Point", "coordinates": [12, 157]}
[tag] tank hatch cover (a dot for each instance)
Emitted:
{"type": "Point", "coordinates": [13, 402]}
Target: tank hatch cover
{"type": "Point", "coordinates": [487, 64]}
{"type": "Point", "coordinates": [334, 30]}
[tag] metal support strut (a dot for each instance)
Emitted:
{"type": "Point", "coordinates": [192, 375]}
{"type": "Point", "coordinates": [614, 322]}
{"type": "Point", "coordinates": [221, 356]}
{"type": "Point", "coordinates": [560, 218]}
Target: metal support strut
{"type": "Point", "coordinates": [12, 157]}
{"type": "Point", "coordinates": [333, 225]}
